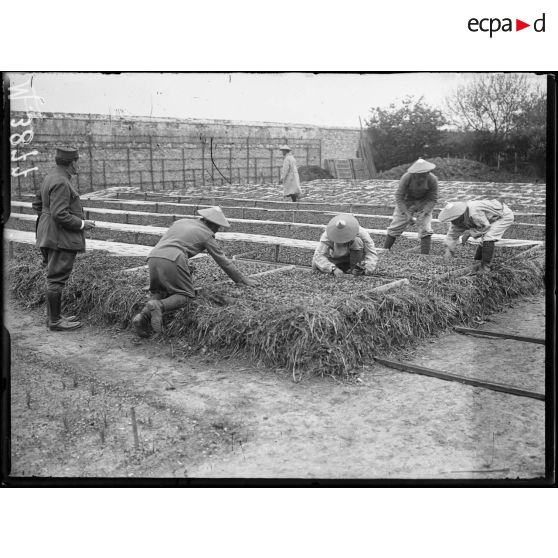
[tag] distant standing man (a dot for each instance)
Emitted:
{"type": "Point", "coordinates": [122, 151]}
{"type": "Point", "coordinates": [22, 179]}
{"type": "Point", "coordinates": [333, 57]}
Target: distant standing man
{"type": "Point", "coordinates": [170, 279]}
{"type": "Point", "coordinates": [486, 220]}
{"type": "Point", "coordinates": [60, 232]}
{"type": "Point", "coordinates": [289, 175]}
{"type": "Point", "coordinates": [345, 248]}
{"type": "Point", "coordinates": [414, 201]}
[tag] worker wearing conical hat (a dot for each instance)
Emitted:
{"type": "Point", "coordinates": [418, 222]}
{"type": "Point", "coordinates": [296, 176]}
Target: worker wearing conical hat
{"type": "Point", "coordinates": [345, 249]}
{"type": "Point", "coordinates": [485, 220]}
{"type": "Point", "coordinates": [170, 280]}
{"type": "Point", "coordinates": [289, 175]}
{"type": "Point", "coordinates": [414, 201]}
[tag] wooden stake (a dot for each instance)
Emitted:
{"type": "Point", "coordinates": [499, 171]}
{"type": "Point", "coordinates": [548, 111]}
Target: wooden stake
{"type": "Point", "coordinates": [389, 286]}
{"type": "Point", "coordinates": [151, 162]}
{"type": "Point", "coordinates": [495, 334]}
{"type": "Point", "coordinates": [413, 368]}
{"type": "Point", "coordinates": [183, 167]}
{"type": "Point", "coordinates": [129, 169]}
{"type": "Point", "coordinates": [90, 162]}
{"type": "Point", "coordinates": [134, 428]}
{"type": "Point", "coordinates": [248, 160]}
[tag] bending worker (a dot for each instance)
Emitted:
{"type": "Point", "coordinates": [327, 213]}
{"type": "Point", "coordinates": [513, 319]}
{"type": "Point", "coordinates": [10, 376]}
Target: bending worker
{"type": "Point", "coordinates": [414, 201]}
{"type": "Point", "coordinates": [170, 280]}
{"type": "Point", "coordinates": [486, 220]}
{"type": "Point", "coordinates": [289, 175]}
{"type": "Point", "coordinates": [345, 247]}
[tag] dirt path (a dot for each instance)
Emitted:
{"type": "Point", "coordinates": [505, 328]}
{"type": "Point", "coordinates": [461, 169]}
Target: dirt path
{"type": "Point", "coordinates": [198, 417]}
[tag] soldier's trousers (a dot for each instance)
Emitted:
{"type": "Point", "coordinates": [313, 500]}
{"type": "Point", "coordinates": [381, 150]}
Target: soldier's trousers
{"type": "Point", "coordinates": [59, 267]}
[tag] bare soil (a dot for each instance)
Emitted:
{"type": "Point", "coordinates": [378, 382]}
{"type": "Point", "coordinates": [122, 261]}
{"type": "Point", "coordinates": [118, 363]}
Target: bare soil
{"type": "Point", "coordinates": [72, 396]}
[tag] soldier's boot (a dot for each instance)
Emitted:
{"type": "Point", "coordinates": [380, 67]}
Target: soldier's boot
{"type": "Point", "coordinates": [55, 320]}
{"type": "Point", "coordinates": [425, 244]}
{"type": "Point", "coordinates": [389, 241]}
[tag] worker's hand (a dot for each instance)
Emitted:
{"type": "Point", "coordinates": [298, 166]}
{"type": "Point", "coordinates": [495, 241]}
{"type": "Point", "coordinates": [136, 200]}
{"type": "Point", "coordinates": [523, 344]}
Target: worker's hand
{"type": "Point", "coordinates": [369, 270]}
{"type": "Point", "coordinates": [88, 225]}
{"type": "Point", "coordinates": [448, 255]}
{"type": "Point", "coordinates": [250, 282]}
{"type": "Point", "coordinates": [338, 273]}
{"type": "Point", "coordinates": [465, 237]}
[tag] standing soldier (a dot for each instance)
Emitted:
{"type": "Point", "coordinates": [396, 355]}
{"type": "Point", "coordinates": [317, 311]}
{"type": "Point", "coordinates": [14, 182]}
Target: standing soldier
{"type": "Point", "coordinates": [486, 220]}
{"type": "Point", "coordinates": [60, 233]}
{"type": "Point", "coordinates": [289, 175]}
{"type": "Point", "coordinates": [345, 248]}
{"type": "Point", "coordinates": [170, 280]}
{"type": "Point", "coordinates": [414, 201]}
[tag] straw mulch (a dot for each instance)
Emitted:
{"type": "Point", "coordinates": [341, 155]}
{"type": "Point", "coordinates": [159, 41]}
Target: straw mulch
{"type": "Point", "coordinates": [298, 320]}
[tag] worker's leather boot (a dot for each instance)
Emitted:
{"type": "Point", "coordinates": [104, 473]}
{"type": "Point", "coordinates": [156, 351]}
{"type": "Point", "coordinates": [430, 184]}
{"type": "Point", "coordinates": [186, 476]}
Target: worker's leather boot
{"type": "Point", "coordinates": [55, 320]}
{"type": "Point", "coordinates": [478, 253]}
{"type": "Point", "coordinates": [155, 308]}
{"type": "Point", "coordinates": [425, 244]}
{"type": "Point", "coordinates": [487, 254]}
{"type": "Point", "coordinates": [389, 241]}
{"type": "Point", "coordinates": [141, 322]}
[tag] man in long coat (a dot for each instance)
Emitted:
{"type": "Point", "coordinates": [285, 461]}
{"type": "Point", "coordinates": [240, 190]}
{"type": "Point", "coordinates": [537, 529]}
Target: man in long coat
{"type": "Point", "coordinates": [486, 220]}
{"type": "Point", "coordinates": [170, 280]}
{"type": "Point", "coordinates": [414, 201]}
{"type": "Point", "coordinates": [345, 248]}
{"type": "Point", "coordinates": [60, 232]}
{"type": "Point", "coordinates": [289, 175]}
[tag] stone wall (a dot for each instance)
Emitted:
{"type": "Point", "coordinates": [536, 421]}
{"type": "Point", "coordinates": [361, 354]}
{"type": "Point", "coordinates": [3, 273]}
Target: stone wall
{"type": "Point", "coordinates": [166, 153]}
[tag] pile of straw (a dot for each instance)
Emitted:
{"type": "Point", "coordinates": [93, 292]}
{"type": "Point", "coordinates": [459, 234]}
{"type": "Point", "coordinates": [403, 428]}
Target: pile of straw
{"type": "Point", "coordinates": [298, 320]}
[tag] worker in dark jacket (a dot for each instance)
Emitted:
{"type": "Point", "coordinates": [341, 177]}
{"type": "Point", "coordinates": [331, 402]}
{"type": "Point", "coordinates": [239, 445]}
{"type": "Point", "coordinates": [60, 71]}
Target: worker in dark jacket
{"type": "Point", "coordinates": [60, 232]}
{"type": "Point", "coordinates": [414, 201]}
{"type": "Point", "coordinates": [170, 280]}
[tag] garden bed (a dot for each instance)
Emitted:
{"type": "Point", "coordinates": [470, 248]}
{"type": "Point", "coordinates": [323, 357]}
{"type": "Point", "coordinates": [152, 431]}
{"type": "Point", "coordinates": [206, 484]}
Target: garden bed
{"type": "Point", "coordinates": [296, 319]}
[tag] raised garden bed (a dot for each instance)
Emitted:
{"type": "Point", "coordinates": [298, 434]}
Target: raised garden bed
{"type": "Point", "coordinates": [295, 319]}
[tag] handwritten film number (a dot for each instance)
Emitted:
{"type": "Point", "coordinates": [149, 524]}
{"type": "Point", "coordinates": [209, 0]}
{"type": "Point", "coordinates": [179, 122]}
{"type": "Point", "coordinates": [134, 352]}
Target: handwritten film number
{"type": "Point", "coordinates": [22, 138]}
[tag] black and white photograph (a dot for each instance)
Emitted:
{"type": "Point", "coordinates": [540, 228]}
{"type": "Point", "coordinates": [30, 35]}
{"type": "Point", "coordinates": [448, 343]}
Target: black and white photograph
{"type": "Point", "coordinates": [277, 275]}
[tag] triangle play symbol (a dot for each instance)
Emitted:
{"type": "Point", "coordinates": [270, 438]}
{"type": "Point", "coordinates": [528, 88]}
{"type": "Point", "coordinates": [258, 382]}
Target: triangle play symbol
{"type": "Point", "coordinates": [519, 25]}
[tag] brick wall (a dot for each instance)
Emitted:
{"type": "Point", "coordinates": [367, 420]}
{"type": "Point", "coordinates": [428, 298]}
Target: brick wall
{"type": "Point", "coordinates": [165, 153]}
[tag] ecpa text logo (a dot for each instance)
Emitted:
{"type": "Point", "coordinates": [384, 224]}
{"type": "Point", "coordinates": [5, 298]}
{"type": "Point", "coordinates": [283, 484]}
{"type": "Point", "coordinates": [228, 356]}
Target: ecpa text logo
{"type": "Point", "coordinates": [492, 25]}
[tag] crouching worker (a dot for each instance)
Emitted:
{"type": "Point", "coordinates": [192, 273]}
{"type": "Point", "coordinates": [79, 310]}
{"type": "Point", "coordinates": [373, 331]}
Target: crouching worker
{"type": "Point", "coordinates": [345, 248]}
{"type": "Point", "coordinates": [170, 280]}
{"type": "Point", "coordinates": [486, 220]}
{"type": "Point", "coordinates": [414, 201]}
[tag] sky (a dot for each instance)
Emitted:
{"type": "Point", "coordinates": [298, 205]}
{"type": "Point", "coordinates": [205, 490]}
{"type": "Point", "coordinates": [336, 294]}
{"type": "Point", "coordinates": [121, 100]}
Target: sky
{"type": "Point", "coordinates": [305, 98]}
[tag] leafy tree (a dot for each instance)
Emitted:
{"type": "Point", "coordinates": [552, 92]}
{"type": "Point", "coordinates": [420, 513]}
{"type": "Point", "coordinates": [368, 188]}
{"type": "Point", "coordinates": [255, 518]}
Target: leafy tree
{"type": "Point", "coordinates": [402, 133]}
{"type": "Point", "coordinates": [490, 103]}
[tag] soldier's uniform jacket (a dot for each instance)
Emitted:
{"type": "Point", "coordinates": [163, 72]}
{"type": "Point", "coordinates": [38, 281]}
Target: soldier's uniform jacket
{"type": "Point", "coordinates": [190, 237]}
{"type": "Point", "coordinates": [414, 196]}
{"type": "Point", "coordinates": [60, 213]}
